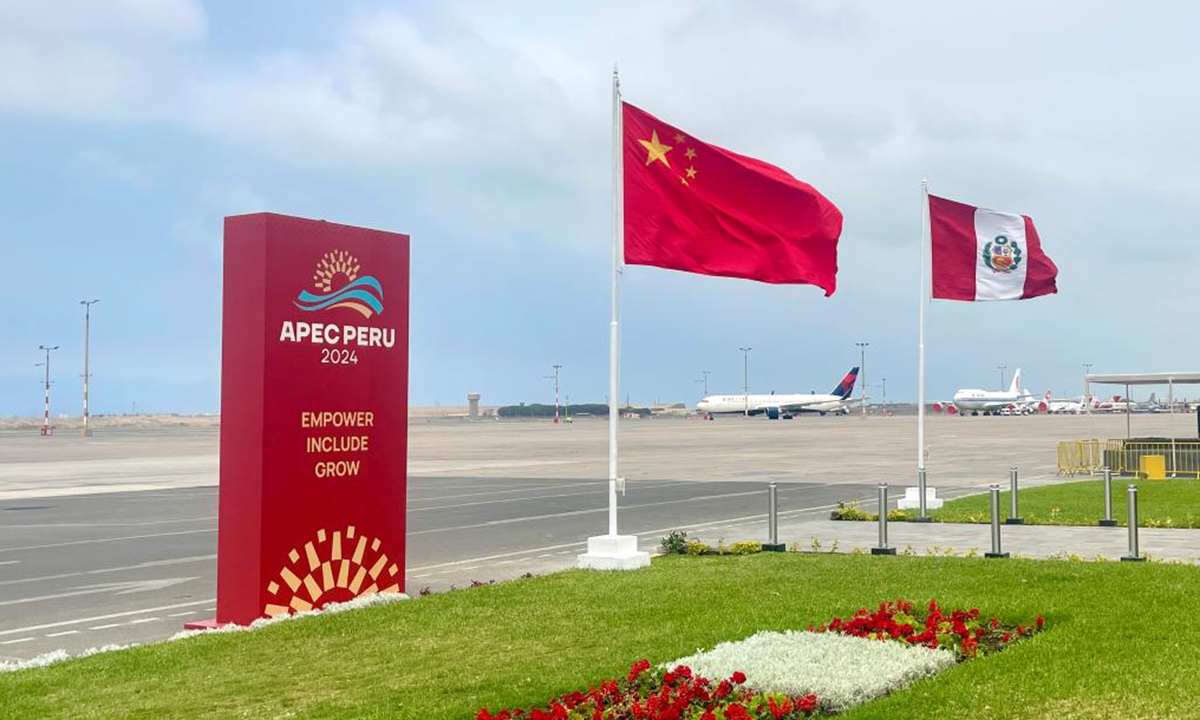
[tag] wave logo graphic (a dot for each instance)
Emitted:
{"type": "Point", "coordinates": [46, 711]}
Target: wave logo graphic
{"type": "Point", "coordinates": [338, 284]}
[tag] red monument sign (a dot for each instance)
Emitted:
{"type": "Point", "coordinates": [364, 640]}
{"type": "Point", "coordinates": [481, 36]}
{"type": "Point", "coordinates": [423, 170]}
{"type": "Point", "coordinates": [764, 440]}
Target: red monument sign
{"type": "Point", "coordinates": [314, 405]}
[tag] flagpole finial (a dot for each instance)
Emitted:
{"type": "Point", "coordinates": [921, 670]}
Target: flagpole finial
{"type": "Point", "coordinates": [925, 183]}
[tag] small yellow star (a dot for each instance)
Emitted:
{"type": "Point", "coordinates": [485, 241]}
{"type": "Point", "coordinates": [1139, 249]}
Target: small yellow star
{"type": "Point", "coordinates": [691, 153]}
{"type": "Point", "coordinates": [683, 180]}
{"type": "Point", "coordinates": [655, 149]}
{"type": "Point", "coordinates": [691, 173]}
{"type": "Point", "coordinates": [679, 137]}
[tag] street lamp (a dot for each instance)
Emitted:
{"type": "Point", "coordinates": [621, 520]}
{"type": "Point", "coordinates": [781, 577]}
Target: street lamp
{"type": "Point", "coordinates": [746, 378]}
{"type": "Point", "coordinates": [1002, 368]}
{"type": "Point", "coordinates": [556, 387]}
{"type": "Point", "coordinates": [1087, 398]}
{"type": "Point", "coordinates": [704, 380]}
{"type": "Point", "coordinates": [862, 369]}
{"type": "Point", "coordinates": [883, 385]}
{"type": "Point", "coordinates": [46, 417]}
{"type": "Point", "coordinates": [87, 323]}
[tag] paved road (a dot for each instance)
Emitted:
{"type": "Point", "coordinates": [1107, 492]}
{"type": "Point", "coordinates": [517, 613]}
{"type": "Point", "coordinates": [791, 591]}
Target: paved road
{"type": "Point", "coordinates": [84, 571]}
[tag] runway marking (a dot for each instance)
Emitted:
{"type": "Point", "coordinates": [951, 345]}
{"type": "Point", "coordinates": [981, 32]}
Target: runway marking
{"type": "Point", "coordinates": [139, 621]}
{"type": "Point", "coordinates": [18, 640]}
{"type": "Point", "coordinates": [78, 621]}
{"type": "Point", "coordinates": [101, 525]}
{"type": "Point", "coordinates": [593, 491]}
{"type": "Point", "coordinates": [105, 627]}
{"type": "Point", "coordinates": [117, 588]}
{"type": "Point", "coordinates": [113, 539]}
{"type": "Point", "coordinates": [139, 566]}
{"type": "Point", "coordinates": [517, 553]}
{"type": "Point", "coordinates": [185, 613]}
{"type": "Point", "coordinates": [64, 632]}
{"type": "Point", "coordinates": [571, 513]}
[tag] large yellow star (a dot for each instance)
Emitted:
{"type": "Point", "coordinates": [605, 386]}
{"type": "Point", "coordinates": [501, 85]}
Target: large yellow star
{"type": "Point", "coordinates": [655, 149]}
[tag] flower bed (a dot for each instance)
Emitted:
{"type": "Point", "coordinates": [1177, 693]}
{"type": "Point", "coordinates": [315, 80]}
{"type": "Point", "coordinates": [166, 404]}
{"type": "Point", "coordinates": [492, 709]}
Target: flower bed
{"type": "Point", "coordinates": [786, 675]}
{"type": "Point", "coordinates": [959, 631]}
{"type": "Point", "coordinates": [676, 694]}
{"type": "Point", "coordinates": [841, 670]}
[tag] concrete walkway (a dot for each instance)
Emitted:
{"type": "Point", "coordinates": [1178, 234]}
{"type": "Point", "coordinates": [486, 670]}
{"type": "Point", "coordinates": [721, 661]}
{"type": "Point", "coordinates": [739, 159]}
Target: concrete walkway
{"type": "Point", "coordinates": [1039, 541]}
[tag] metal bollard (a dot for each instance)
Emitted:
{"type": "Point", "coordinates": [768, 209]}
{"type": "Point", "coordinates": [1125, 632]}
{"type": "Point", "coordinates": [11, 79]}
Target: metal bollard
{"type": "Point", "coordinates": [995, 553]}
{"type": "Point", "coordinates": [1133, 555]}
{"type": "Point", "coordinates": [883, 548]}
{"type": "Point", "coordinates": [1014, 517]}
{"type": "Point", "coordinates": [1108, 520]}
{"type": "Point", "coordinates": [923, 512]}
{"type": "Point", "coordinates": [773, 520]}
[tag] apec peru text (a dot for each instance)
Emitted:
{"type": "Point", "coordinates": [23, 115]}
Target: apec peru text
{"type": "Point", "coordinates": [330, 334]}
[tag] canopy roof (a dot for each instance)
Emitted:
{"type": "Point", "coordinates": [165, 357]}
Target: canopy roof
{"type": "Point", "coordinates": [1165, 378]}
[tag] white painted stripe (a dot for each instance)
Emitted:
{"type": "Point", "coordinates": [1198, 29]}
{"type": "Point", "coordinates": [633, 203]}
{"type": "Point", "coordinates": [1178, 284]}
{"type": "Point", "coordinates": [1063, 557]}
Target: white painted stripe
{"type": "Point", "coordinates": [79, 621]}
{"type": "Point", "coordinates": [139, 566]}
{"type": "Point", "coordinates": [111, 539]}
{"type": "Point", "coordinates": [14, 642]}
{"type": "Point", "coordinates": [64, 632]}
{"type": "Point", "coordinates": [139, 621]}
{"type": "Point", "coordinates": [105, 627]}
{"type": "Point", "coordinates": [185, 613]}
{"type": "Point", "coordinates": [1000, 234]}
{"type": "Point", "coordinates": [9, 562]}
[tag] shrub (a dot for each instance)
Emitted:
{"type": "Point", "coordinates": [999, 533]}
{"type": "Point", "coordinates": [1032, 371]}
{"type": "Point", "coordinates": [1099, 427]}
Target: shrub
{"type": "Point", "coordinates": [745, 548]}
{"type": "Point", "coordinates": [675, 543]}
{"type": "Point", "coordinates": [696, 548]}
{"type": "Point", "coordinates": [850, 511]}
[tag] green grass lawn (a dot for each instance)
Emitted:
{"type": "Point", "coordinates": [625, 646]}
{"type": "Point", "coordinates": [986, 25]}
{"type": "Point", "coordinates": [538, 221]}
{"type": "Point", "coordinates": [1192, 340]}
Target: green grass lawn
{"type": "Point", "coordinates": [1161, 503]}
{"type": "Point", "coordinates": [1121, 642]}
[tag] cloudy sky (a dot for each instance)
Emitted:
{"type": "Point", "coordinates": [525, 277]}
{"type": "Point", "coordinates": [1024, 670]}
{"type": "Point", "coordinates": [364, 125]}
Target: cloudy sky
{"type": "Point", "coordinates": [129, 128]}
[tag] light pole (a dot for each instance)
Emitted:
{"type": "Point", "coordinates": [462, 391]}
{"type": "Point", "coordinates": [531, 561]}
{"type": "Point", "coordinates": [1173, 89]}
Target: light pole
{"type": "Point", "coordinates": [883, 385]}
{"type": "Point", "coordinates": [704, 379]}
{"type": "Point", "coordinates": [556, 387]}
{"type": "Point", "coordinates": [87, 326]}
{"type": "Point", "coordinates": [46, 417]}
{"type": "Point", "coordinates": [746, 379]}
{"type": "Point", "coordinates": [862, 365]}
{"type": "Point", "coordinates": [1087, 398]}
{"type": "Point", "coordinates": [1002, 368]}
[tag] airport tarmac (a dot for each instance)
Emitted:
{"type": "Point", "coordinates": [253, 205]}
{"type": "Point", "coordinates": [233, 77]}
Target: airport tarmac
{"type": "Point", "coordinates": [112, 539]}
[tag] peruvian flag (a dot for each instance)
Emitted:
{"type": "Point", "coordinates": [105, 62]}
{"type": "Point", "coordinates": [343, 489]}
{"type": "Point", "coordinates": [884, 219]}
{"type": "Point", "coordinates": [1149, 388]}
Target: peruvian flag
{"type": "Point", "coordinates": [981, 254]}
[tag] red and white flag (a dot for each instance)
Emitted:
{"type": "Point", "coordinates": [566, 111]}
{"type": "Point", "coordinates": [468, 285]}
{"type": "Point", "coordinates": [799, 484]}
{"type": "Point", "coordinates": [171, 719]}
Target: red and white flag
{"type": "Point", "coordinates": [981, 254]}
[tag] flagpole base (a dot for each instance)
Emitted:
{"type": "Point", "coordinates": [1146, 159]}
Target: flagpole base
{"type": "Point", "coordinates": [613, 552]}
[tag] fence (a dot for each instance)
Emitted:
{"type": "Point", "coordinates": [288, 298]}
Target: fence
{"type": "Point", "coordinates": [1124, 457]}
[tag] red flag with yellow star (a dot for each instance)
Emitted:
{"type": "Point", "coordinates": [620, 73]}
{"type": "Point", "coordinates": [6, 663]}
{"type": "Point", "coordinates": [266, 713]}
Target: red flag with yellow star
{"type": "Point", "coordinates": [699, 208]}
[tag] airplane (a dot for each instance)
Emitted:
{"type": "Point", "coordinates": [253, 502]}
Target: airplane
{"type": "Point", "coordinates": [991, 402]}
{"type": "Point", "coordinates": [1060, 407]}
{"type": "Point", "coordinates": [784, 406]}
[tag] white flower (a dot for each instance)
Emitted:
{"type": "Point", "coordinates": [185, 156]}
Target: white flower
{"type": "Point", "coordinates": [843, 671]}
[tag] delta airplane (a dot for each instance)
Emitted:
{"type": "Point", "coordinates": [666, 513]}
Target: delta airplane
{"type": "Point", "coordinates": [783, 406]}
{"type": "Point", "coordinates": [991, 402]}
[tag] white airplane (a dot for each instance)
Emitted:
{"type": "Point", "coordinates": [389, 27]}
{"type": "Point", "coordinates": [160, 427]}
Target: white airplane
{"type": "Point", "coordinates": [1060, 407]}
{"type": "Point", "coordinates": [783, 406]}
{"type": "Point", "coordinates": [991, 402]}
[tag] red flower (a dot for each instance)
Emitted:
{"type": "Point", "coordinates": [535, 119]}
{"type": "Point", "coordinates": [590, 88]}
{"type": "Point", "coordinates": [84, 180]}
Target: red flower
{"type": "Point", "coordinates": [1040, 622]}
{"type": "Point", "coordinates": [738, 677]}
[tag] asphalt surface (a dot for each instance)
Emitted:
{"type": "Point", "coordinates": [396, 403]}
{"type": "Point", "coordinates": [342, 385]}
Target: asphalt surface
{"type": "Point", "coordinates": [79, 572]}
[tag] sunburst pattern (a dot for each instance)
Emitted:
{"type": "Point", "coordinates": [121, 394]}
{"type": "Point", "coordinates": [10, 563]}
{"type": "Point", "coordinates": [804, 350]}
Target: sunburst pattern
{"type": "Point", "coordinates": [336, 567]}
{"type": "Point", "coordinates": [331, 265]}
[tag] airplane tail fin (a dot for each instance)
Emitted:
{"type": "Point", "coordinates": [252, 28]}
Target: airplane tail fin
{"type": "Point", "coordinates": [845, 388]}
{"type": "Point", "coordinates": [1016, 383]}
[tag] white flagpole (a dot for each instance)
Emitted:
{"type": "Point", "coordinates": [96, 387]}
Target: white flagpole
{"type": "Point", "coordinates": [923, 514]}
{"type": "Point", "coordinates": [614, 353]}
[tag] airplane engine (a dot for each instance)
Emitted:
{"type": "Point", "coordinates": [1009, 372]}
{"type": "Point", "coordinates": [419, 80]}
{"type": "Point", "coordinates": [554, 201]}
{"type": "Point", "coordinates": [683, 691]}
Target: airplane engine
{"type": "Point", "coordinates": [951, 410]}
{"type": "Point", "coordinates": [1043, 407]}
{"type": "Point", "coordinates": [938, 407]}
{"type": "Point", "coordinates": [773, 413]}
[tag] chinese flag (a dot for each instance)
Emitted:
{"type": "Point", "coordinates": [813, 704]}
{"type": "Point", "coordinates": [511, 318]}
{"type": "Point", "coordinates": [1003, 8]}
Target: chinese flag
{"type": "Point", "coordinates": [699, 208]}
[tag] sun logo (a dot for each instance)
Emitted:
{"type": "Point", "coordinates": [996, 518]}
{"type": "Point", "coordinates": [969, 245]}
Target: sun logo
{"type": "Point", "coordinates": [333, 264]}
{"type": "Point", "coordinates": [335, 568]}
{"type": "Point", "coordinates": [339, 285]}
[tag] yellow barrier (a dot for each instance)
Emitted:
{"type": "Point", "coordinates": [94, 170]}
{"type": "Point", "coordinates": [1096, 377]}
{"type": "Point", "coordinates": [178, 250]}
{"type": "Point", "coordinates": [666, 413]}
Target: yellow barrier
{"type": "Point", "coordinates": [1179, 458]}
{"type": "Point", "coordinates": [1152, 467]}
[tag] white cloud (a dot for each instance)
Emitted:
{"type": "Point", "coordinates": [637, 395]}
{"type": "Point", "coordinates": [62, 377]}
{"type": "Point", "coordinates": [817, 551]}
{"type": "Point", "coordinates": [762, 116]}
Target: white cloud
{"type": "Point", "coordinates": [84, 59]}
